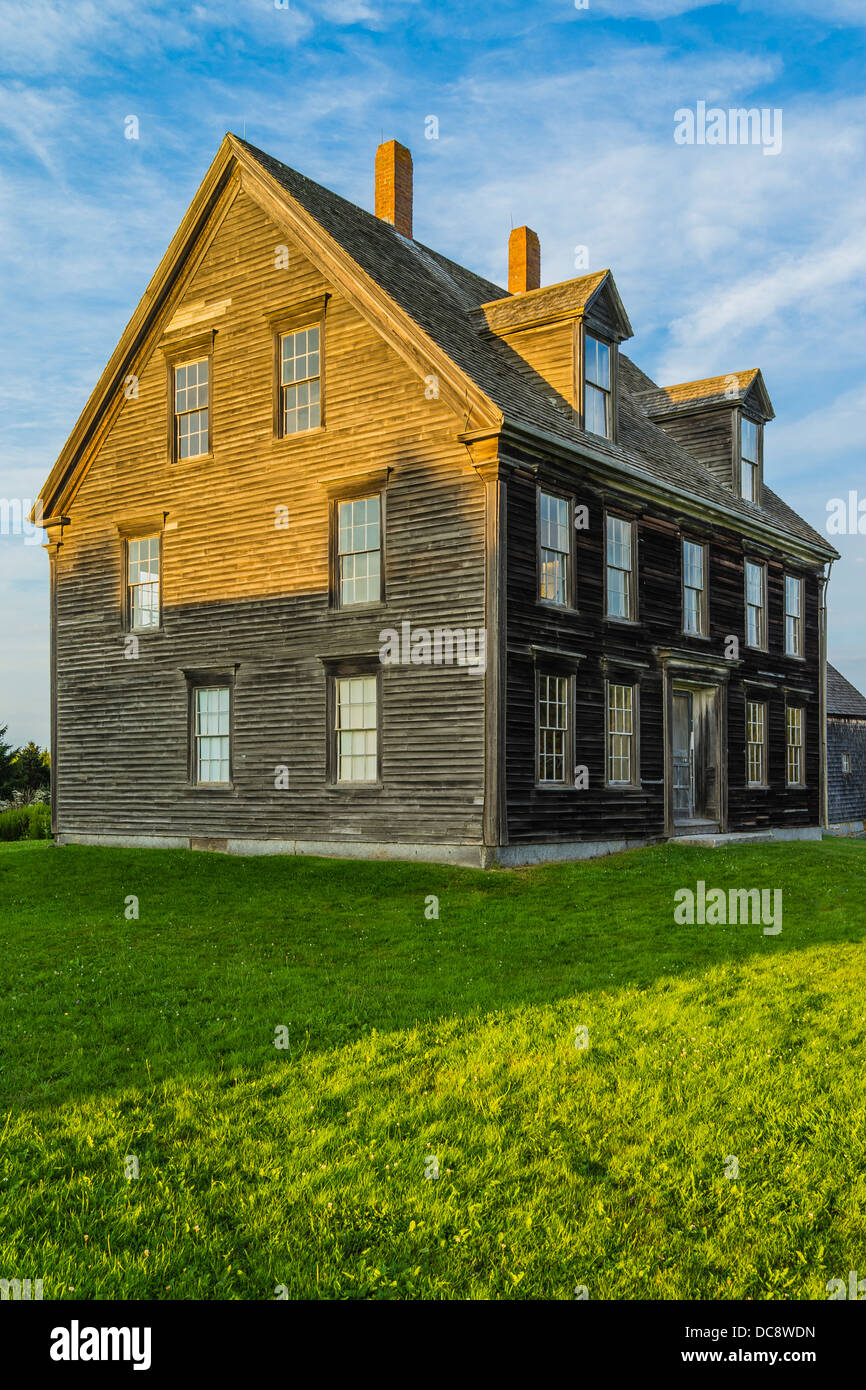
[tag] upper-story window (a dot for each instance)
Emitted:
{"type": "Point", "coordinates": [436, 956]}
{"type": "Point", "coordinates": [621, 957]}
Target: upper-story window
{"type": "Point", "coordinates": [620, 568]}
{"type": "Point", "coordinates": [748, 460]}
{"type": "Point", "coordinates": [359, 550]}
{"type": "Point", "coordinates": [142, 582]}
{"type": "Point", "coordinates": [191, 409]}
{"type": "Point", "coordinates": [694, 589]}
{"type": "Point", "coordinates": [756, 604]}
{"type": "Point", "coordinates": [554, 540]}
{"type": "Point", "coordinates": [597, 413]}
{"type": "Point", "coordinates": [300, 380]}
{"type": "Point", "coordinates": [793, 616]}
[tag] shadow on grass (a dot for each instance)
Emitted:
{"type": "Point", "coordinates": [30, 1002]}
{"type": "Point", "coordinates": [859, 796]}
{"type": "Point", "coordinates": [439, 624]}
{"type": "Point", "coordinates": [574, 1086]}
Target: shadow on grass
{"type": "Point", "coordinates": [225, 950]}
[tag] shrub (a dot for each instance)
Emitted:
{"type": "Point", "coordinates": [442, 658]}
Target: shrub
{"type": "Point", "coordinates": [25, 823]}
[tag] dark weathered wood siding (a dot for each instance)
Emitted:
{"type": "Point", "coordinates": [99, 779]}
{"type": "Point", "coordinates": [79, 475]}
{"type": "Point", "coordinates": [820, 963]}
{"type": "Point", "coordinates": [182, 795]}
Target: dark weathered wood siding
{"type": "Point", "coordinates": [625, 654]}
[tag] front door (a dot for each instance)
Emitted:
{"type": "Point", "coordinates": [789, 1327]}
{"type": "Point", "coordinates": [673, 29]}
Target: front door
{"type": "Point", "coordinates": [684, 756]}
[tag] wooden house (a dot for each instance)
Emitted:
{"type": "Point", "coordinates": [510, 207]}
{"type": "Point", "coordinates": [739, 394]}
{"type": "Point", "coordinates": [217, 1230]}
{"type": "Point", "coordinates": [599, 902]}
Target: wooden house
{"type": "Point", "coordinates": [354, 552]}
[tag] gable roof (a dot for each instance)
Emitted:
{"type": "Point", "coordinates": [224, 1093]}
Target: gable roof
{"type": "Point", "coordinates": [426, 306]}
{"type": "Point", "coordinates": [567, 299]}
{"type": "Point", "coordinates": [843, 698]}
{"type": "Point", "coordinates": [734, 388]}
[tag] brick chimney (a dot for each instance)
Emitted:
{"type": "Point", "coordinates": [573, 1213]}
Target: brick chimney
{"type": "Point", "coordinates": [393, 186]}
{"type": "Point", "coordinates": [524, 261]}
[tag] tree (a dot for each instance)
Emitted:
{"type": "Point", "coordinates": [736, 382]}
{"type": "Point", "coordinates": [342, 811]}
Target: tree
{"type": "Point", "coordinates": [7, 770]}
{"type": "Point", "coordinates": [30, 769]}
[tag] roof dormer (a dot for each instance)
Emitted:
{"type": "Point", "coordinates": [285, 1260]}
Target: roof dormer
{"type": "Point", "coordinates": [720, 421]}
{"type": "Point", "coordinates": [566, 337]}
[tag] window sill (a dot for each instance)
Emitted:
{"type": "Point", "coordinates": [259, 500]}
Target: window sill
{"type": "Point", "coordinates": [299, 434]}
{"type": "Point", "coordinates": [792, 656]}
{"type": "Point", "coordinates": [697, 636]}
{"type": "Point", "coordinates": [622, 622]}
{"type": "Point", "coordinates": [552, 606]}
{"type": "Point", "coordinates": [758, 786]}
{"type": "Point", "coordinates": [622, 787]}
{"type": "Point", "coordinates": [211, 787]}
{"type": "Point", "coordinates": [192, 458]}
{"type": "Point", "coordinates": [355, 786]}
{"type": "Point", "coordinates": [339, 610]}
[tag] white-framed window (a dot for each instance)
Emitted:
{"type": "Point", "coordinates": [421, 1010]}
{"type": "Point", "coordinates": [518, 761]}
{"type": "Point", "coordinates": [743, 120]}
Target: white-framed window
{"type": "Point", "coordinates": [191, 408]}
{"type": "Point", "coordinates": [142, 582]}
{"type": "Point", "coordinates": [357, 728]}
{"type": "Point", "coordinates": [596, 386]}
{"type": "Point", "coordinates": [793, 616]}
{"type": "Point", "coordinates": [794, 745]}
{"type": "Point", "coordinates": [846, 764]}
{"type": "Point", "coordinates": [554, 538]}
{"type": "Point", "coordinates": [300, 380]}
{"type": "Point", "coordinates": [620, 586]}
{"type": "Point", "coordinates": [212, 734]}
{"type": "Point", "coordinates": [694, 589]}
{"type": "Point", "coordinates": [756, 742]}
{"type": "Point", "coordinates": [756, 604]}
{"type": "Point", "coordinates": [359, 550]}
{"type": "Point", "coordinates": [748, 459]}
{"type": "Point", "coordinates": [621, 753]}
{"type": "Point", "coordinates": [552, 728]}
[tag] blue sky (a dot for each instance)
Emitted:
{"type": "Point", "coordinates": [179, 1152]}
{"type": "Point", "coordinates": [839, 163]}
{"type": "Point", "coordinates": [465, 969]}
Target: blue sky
{"type": "Point", "coordinates": [559, 117]}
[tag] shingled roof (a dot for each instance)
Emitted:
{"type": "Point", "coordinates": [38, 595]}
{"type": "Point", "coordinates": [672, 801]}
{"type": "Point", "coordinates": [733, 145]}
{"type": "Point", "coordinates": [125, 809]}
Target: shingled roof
{"type": "Point", "coordinates": [440, 296]}
{"type": "Point", "coordinates": [729, 389]}
{"type": "Point", "coordinates": [843, 698]}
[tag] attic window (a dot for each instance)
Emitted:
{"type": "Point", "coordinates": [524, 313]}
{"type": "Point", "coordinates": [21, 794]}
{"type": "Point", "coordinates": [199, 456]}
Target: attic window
{"type": "Point", "coordinates": [596, 386]}
{"type": "Point", "coordinates": [748, 460]}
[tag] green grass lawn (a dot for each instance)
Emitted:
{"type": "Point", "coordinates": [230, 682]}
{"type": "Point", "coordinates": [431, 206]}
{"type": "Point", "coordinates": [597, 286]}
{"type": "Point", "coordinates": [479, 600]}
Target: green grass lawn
{"type": "Point", "coordinates": [410, 1037]}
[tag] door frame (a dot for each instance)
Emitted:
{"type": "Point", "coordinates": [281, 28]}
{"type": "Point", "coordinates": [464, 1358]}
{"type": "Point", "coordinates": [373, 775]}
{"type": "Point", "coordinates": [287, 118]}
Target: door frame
{"type": "Point", "coordinates": [690, 670]}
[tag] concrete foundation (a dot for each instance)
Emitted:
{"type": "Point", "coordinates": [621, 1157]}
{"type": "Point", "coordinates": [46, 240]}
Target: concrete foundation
{"type": "Point", "coordinates": [468, 856]}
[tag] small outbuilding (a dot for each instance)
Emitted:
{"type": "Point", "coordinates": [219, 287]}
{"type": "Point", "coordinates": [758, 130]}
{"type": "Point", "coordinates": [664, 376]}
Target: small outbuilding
{"type": "Point", "coordinates": [846, 755]}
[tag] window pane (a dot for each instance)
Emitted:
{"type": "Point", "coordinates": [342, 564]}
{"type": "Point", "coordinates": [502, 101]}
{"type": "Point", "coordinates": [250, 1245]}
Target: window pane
{"type": "Point", "coordinates": [619, 567]}
{"type": "Point", "coordinates": [143, 581]}
{"type": "Point", "coordinates": [597, 362]}
{"type": "Point", "coordinates": [749, 440]}
{"type": "Point", "coordinates": [693, 586]}
{"type": "Point", "coordinates": [212, 733]}
{"type": "Point", "coordinates": [359, 550]}
{"type": "Point", "coordinates": [620, 717]}
{"type": "Point", "coordinates": [597, 411]}
{"type": "Point", "coordinates": [756, 733]}
{"type": "Point", "coordinates": [552, 727]}
{"type": "Point", "coordinates": [555, 542]}
{"type": "Point", "coordinates": [299, 378]}
{"type": "Point", "coordinates": [357, 729]}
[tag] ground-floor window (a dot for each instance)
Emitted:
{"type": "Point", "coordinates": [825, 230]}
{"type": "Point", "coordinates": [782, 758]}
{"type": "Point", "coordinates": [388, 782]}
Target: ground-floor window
{"type": "Point", "coordinates": [756, 742]}
{"type": "Point", "coordinates": [552, 726]}
{"type": "Point", "coordinates": [621, 753]}
{"type": "Point", "coordinates": [212, 736]}
{"type": "Point", "coordinates": [357, 728]}
{"type": "Point", "coordinates": [794, 744]}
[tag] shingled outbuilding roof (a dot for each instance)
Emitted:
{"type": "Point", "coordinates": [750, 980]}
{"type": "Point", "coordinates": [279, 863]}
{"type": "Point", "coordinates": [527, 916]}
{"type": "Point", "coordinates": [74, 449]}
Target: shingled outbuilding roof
{"type": "Point", "coordinates": [843, 698]}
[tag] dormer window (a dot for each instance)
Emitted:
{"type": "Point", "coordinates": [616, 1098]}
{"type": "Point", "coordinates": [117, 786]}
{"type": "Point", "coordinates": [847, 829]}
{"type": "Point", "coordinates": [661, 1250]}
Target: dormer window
{"type": "Point", "coordinates": [596, 386]}
{"type": "Point", "coordinates": [748, 459]}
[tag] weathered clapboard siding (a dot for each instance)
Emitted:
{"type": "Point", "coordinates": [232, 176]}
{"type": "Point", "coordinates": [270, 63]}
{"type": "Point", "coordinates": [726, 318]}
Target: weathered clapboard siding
{"type": "Point", "coordinates": [626, 653]}
{"type": "Point", "coordinates": [237, 591]}
{"type": "Point", "coordinates": [708, 437]}
{"type": "Point", "coordinates": [549, 351]}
